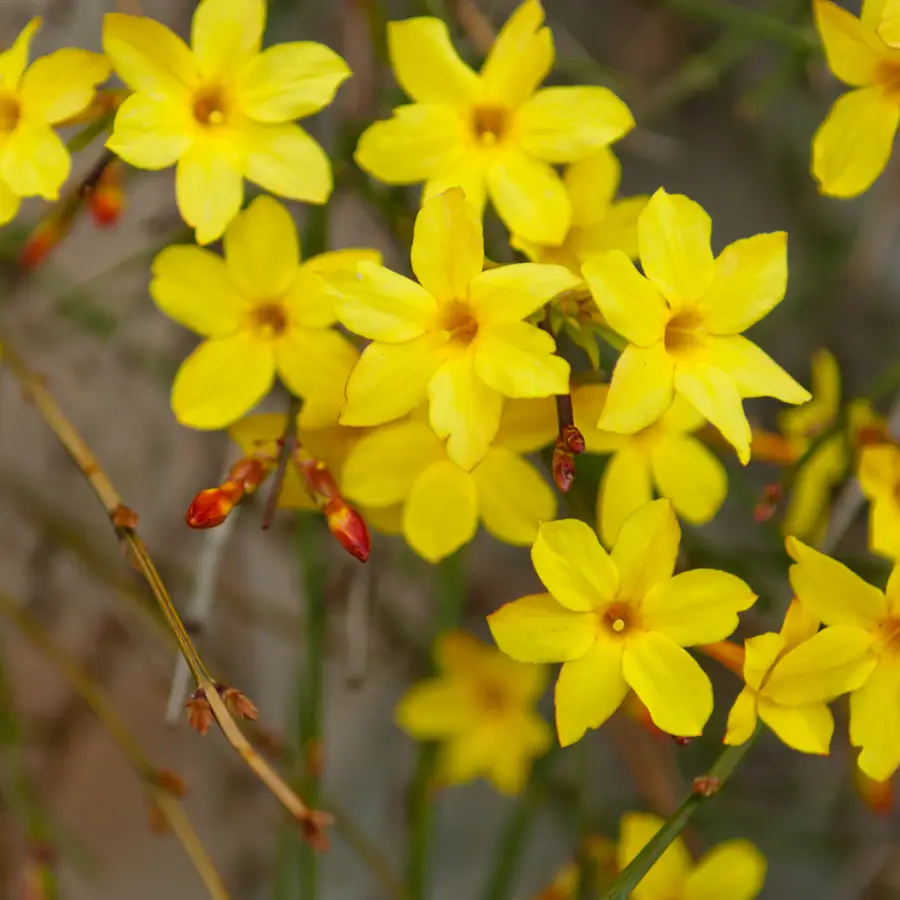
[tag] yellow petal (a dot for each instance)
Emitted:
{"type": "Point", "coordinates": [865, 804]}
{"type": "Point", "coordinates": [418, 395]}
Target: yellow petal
{"type": "Point", "coordinates": [149, 57]}
{"type": "Point", "coordinates": [641, 389]}
{"type": "Point", "coordinates": [310, 300]}
{"type": "Point", "coordinates": [346, 260]}
{"type": "Point", "coordinates": [435, 708]}
{"type": "Point", "coordinates": [879, 469]}
{"type": "Point", "coordinates": [427, 66]}
{"type": "Point", "coordinates": [573, 566]}
{"type": "Point", "coordinates": [519, 360]}
{"type": "Point", "coordinates": [674, 237]}
{"type": "Point", "coordinates": [696, 607]}
{"type": "Point", "coordinates": [884, 17]}
{"type": "Point", "coordinates": [618, 230]}
{"type": "Point", "coordinates": [448, 246]}
{"type": "Point", "coordinates": [14, 60]}
{"type": "Point", "coordinates": [826, 391]}
{"type": "Point", "coordinates": [589, 690]}
{"type": "Point", "coordinates": [225, 34]}
{"type": "Point", "coordinates": [389, 381]}
{"type": "Point", "coordinates": [741, 719]}
{"type": "Point", "coordinates": [151, 132]}
{"type": "Point", "coordinates": [34, 161]}
{"type": "Point", "coordinates": [761, 652]}
{"type": "Point", "coordinates": [592, 184]}
{"type": "Point", "coordinates": [61, 85]}
{"type": "Point", "coordinates": [382, 467]}
{"type": "Point", "coordinates": [209, 189]}
{"type": "Point", "coordinates": [629, 302]}
{"type": "Point", "coordinates": [666, 876]}
{"type": "Point", "coordinates": [470, 754]}
{"type": "Point", "coordinates": [464, 410]}
{"type": "Point", "coordinates": [527, 425]}
{"type": "Point", "coordinates": [835, 661]}
{"type": "Point", "coordinates": [514, 292]}
{"type": "Point", "coordinates": [588, 401]}
{"type": "Point", "coordinates": [513, 497]}
{"type": "Point", "coordinates": [669, 682]}
{"type": "Point", "coordinates": [624, 487]}
{"type": "Point", "coordinates": [290, 81]}
{"type": "Point", "coordinates": [285, 160]}
{"type": "Point", "coordinates": [9, 203]}
{"type": "Point", "coordinates": [735, 870]}
{"type": "Point", "coordinates": [441, 513]}
{"type": "Point", "coordinates": [754, 372]}
{"type": "Point", "coordinates": [799, 624]}
{"type": "Point", "coordinates": [750, 279]}
{"type": "Point", "coordinates": [646, 549]}
{"type": "Point", "coordinates": [562, 124]}
{"type": "Point", "coordinates": [261, 249]}
{"type": "Point", "coordinates": [222, 380]}
{"type": "Point", "coordinates": [691, 476]}
{"type": "Point", "coordinates": [854, 143]}
{"type": "Point", "coordinates": [467, 173]}
{"type": "Point", "coordinates": [810, 496]}
{"type": "Point", "coordinates": [537, 629]}
{"type": "Point", "coordinates": [807, 729]}
{"type": "Point", "coordinates": [380, 304]}
{"type": "Point", "coordinates": [192, 286]}
{"type": "Point", "coordinates": [681, 417]}
{"type": "Point", "coordinates": [849, 48]}
{"type": "Point", "coordinates": [884, 526]}
{"type": "Point", "coordinates": [834, 594]}
{"type": "Point", "coordinates": [418, 143]}
{"type": "Point", "coordinates": [520, 57]}
{"type": "Point", "coordinates": [875, 722]}
{"type": "Point", "coordinates": [529, 197]}
{"type": "Point", "coordinates": [715, 395]}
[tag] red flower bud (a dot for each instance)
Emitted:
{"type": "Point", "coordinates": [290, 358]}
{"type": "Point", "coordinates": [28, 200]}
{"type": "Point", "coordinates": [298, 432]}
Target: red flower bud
{"type": "Point", "coordinates": [572, 438]}
{"type": "Point", "coordinates": [563, 467]}
{"type": "Point", "coordinates": [349, 527]}
{"type": "Point", "coordinates": [42, 241]}
{"type": "Point", "coordinates": [212, 506]}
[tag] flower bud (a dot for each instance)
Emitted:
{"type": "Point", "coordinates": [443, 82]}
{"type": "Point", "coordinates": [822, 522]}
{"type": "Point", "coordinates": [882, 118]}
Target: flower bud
{"type": "Point", "coordinates": [349, 527]}
{"type": "Point", "coordinates": [211, 507]}
{"type": "Point", "coordinates": [563, 467]}
{"type": "Point", "coordinates": [106, 200]}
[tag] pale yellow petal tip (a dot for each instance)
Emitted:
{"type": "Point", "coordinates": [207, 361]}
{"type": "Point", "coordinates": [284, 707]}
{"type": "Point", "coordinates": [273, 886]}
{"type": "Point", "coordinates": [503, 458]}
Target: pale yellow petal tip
{"type": "Point", "coordinates": [794, 547]}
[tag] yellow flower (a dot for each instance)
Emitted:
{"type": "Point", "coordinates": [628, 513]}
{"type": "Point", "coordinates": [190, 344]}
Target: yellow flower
{"type": "Point", "coordinates": [599, 852]}
{"type": "Point", "coordinates": [491, 132]}
{"type": "Point", "coordinates": [663, 458]}
{"type": "Point", "coordinates": [481, 709]}
{"type": "Point", "coordinates": [879, 478]}
{"type": "Point", "coordinates": [261, 312]}
{"type": "Point", "coordinates": [406, 463]}
{"type": "Point", "coordinates": [33, 160]}
{"type": "Point", "coordinates": [621, 620]}
{"type": "Point", "coordinates": [791, 676]}
{"type": "Point", "coordinates": [733, 870]}
{"type": "Point", "coordinates": [600, 223]}
{"type": "Point", "coordinates": [870, 623]}
{"type": "Point", "coordinates": [683, 321]}
{"type": "Point", "coordinates": [221, 109]}
{"type": "Point", "coordinates": [457, 337]}
{"type": "Point", "coordinates": [853, 144]}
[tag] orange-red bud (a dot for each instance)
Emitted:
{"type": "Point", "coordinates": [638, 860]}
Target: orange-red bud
{"type": "Point", "coordinates": [563, 466]}
{"type": "Point", "coordinates": [249, 473]}
{"type": "Point", "coordinates": [106, 200]}
{"type": "Point", "coordinates": [768, 504]}
{"type": "Point", "coordinates": [45, 237]}
{"type": "Point", "coordinates": [349, 527]}
{"type": "Point", "coordinates": [572, 438]}
{"type": "Point", "coordinates": [877, 795]}
{"type": "Point", "coordinates": [211, 507]}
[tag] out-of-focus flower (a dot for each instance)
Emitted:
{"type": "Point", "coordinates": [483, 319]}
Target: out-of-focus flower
{"type": "Point", "coordinates": [733, 870]}
{"type": "Point", "coordinates": [791, 676]}
{"type": "Point", "coordinates": [683, 321]}
{"type": "Point", "coordinates": [458, 336]}
{"type": "Point", "coordinates": [493, 132]}
{"type": "Point", "coordinates": [597, 852]}
{"type": "Point", "coordinates": [869, 620]}
{"type": "Point", "coordinates": [622, 620]}
{"type": "Point", "coordinates": [407, 463]}
{"type": "Point", "coordinates": [853, 144]}
{"type": "Point", "coordinates": [34, 162]}
{"type": "Point", "coordinates": [221, 109]}
{"type": "Point", "coordinates": [879, 478]}
{"type": "Point", "coordinates": [480, 708]}
{"type": "Point", "coordinates": [261, 312]}
{"type": "Point", "coordinates": [663, 458]}
{"type": "Point", "coordinates": [600, 223]}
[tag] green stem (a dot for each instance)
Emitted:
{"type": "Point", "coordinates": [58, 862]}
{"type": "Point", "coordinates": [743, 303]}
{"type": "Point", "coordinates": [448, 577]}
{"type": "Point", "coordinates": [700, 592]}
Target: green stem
{"type": "Point", "coordinates": [632, 874]}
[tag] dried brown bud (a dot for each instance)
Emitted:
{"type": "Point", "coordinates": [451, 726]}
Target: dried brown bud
{"type": "Point", "coordinates": [170, 782]}
{"type": "Point", "coordinates": [238, 703]}
{"type": "Point", "coordinates": [313, 826]}
{"type": "Point", "coordinates": [563, 467]}
{"type": "Point", "coordinates": [124, 517]}
{"type": "Point", "coordinates": [706, 785]}
{"type": "Point", "coordinates": [200, 714]}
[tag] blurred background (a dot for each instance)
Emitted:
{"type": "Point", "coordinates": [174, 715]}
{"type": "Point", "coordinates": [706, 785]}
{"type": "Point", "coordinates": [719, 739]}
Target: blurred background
{"type": "Point", "coordinates": [727, 97]}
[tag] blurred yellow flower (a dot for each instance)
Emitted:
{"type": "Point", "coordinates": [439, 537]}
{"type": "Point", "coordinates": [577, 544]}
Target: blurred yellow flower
{"type": "Point", "coordinates": [683, 321]}
{"type": "Point", "coordinates": [261, 312]}
{"type": "Point", "coordinates": [853, 144]}
{"type": "Point", "coordinates": [33, 159]}
{"type": "Point", "coordinates": [481, 709]}
{"type": "Point", "coordinates": [792, 675]}
{"type": "Point", "coordinates": [221, 109]}
{"type": "Point", "coordinates": [600, 223]}
{"type": "Point", "coordinates": [870, 624]}
{"type": "Point", "coordinates": [879, 478]}
{"type": "Point", "coordinates": [663, 458]}
{"type": "Point", "coordinates": [621, 620]}
{"type": "Point", "coordinates": [599, 852]}
{"type": "Point", "coordinates": [406, 463]}
{"type": "Point", "coordinates": [733, 870]}
{"type": "Point", "coordinates": [491, 132]}
{"type": "Point", "coordinates": [457, 337]}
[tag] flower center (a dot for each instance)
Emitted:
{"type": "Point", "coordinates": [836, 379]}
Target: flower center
{"type": "Point", "coordinates": [683, 335]}
{"type": "Point", "coordinates": [494, 699]}
{"type": "Point", "coordinates": [10, 113]}
{"type": "Point", "coordinates": [269, 320]}
{"type": "Point", "coordinates": [618, 619]}
{"type": "Point", "coordinates": [211, 106]}
{"type": "Point", "coordinates": [889, 630]}
{"type": "Point", "coordinates": [888, 76]}
{"type": "Point", "coordinates": [457, 319]}
{"type": "Point", "coordinates": [489, 124]}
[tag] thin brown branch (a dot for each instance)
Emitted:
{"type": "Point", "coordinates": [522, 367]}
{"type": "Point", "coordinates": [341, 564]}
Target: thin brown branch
{"type": "Point", "coordinates": [288, 445]}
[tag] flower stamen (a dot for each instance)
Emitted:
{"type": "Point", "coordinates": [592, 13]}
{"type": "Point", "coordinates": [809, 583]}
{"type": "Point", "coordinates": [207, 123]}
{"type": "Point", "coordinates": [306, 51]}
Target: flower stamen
{"type": "Point", "coordinates": [210, 106]}
{"type": "Point", "coordinates": [489, 124]}
{"type": "Point", "coordinates": [270, 320]}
